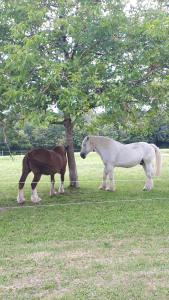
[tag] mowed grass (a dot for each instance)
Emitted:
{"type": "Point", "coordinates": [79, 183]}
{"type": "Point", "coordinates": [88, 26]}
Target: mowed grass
{"type": "Point", "coordinates": [86, 244]}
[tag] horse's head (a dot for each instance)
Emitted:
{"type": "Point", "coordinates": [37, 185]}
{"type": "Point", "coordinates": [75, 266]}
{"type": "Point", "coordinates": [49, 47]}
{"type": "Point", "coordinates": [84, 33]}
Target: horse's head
{"type": "Point", "coordinates": [86, 147]}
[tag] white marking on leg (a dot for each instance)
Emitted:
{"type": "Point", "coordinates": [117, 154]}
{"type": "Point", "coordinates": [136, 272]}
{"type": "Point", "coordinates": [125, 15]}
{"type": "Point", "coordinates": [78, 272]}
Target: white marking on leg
{"type": "Point", "coordinates": [52, 189]}
{"type": "Point", "coordinates": [148, 185]}
{"type": "Point", "coordinates": [61, 188]}
{"type": "Point", "coordinates": [34, 197]}
{"type": "Point", "coordinates": [20, 197]}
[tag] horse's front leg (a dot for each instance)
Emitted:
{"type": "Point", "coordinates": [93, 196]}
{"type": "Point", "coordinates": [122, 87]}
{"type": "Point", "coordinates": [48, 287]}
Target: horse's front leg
{"type": "Point", "coordinates": [103, 184]}
{"type": "Point", "coordinates": [52, 188]}
{"type": "Point", "coordinates": [61, 188]}
{"type": "Point", "coordinates": [111, 184]}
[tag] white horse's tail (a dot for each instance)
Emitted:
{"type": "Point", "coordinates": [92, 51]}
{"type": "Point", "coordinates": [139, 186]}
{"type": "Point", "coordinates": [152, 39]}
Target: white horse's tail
{"type": "Point", "coordinates": [158, 159]}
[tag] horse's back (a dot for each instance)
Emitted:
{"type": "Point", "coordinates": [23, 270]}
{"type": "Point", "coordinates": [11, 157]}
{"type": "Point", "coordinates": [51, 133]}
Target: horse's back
{"type": "Point", "coordinates": [46, 161]}
{"type": "Point", "coordinates": [132, 154]}
{"type": "Point", "coordinates": [141, 150]}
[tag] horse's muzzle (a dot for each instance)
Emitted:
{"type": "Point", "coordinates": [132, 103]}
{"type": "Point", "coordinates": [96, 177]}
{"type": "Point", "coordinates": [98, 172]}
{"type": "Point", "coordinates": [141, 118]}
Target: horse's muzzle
{"type": "Point", "coordinates": [83, 155]}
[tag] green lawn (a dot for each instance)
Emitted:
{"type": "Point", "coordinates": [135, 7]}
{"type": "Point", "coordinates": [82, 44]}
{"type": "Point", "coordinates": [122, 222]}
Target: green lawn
{"type": "Point", "coordinates": [86, 244]}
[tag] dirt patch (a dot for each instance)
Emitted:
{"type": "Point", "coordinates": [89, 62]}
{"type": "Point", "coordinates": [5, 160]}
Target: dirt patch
{"type": "Point", "coordinates": [37, 256]}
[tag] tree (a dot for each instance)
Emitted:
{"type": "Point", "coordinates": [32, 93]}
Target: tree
{"type": "Point", "coordinates": [49, 58]}
{"type": "Point", "coordinates": [77, 55]}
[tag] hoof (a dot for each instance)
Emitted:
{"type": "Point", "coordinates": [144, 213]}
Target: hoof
{"type": "Point", "coordinates": [110, 189]}
{"type": "Point", "coordinates": [53, 194]}
{"type": "Point", "coordinates": [102, 187]}
{"type": "Point", "coordinates": [20, 200]}
{"type": "Point", "coordinates": [35, 200]}
{"type": "Point", "coordinates": [61, 192]}
{"type": "Point", "coordinates": [147, 189]}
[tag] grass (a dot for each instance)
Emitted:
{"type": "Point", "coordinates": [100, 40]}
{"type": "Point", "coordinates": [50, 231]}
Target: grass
{"type": "Point", "coordinates": [86, 244]}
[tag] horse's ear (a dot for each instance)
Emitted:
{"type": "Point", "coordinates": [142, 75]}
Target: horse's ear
{"type": "Point", "coordinates": [87, 138]}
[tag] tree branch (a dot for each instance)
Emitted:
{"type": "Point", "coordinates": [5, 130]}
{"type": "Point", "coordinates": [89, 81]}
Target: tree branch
{"type": "Point", "coordinates": [150, 71]}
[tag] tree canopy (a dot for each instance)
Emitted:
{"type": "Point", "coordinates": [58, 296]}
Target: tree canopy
{"type": "Point", "coordinates": [78, 55]}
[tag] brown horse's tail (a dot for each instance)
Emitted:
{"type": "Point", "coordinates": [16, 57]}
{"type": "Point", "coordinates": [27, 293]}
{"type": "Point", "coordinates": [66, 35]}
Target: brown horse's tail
{"type": "Point", "coordinates": [158, 159]}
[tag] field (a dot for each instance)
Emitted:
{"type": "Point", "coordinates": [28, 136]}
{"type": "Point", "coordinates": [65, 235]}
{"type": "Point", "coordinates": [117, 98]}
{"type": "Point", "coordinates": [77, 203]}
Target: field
{"type": "Point", "coordinates": [86, 244]}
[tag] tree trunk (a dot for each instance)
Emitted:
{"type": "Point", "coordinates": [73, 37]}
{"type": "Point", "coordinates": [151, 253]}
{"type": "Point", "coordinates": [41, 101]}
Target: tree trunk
{"type": "Point", "coordinates": [70, 153]}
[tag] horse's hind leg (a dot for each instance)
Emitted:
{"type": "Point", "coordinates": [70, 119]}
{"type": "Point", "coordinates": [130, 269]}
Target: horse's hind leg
{"type": "Point", "coordinates": [61, 188]}
{"type": "Point", "coordinates": [34, 197]}
{"type": "Point", "coordinates": [52, 188]}
{"type": "Point", "coordinates": [149, 173]}
{"type": "Point", "coordinates": [25, 171]}
{"type": "Point", "coordinates": [20, 197]}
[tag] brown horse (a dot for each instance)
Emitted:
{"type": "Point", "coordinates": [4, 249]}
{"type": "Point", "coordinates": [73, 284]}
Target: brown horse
{"type": "Point", "coordinates": [42, 162]}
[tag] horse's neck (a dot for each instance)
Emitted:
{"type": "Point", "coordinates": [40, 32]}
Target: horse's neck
{"type": "Point", "coordinates": [103, 146]}
{"type": "Point", "coordinates": [103, 142]}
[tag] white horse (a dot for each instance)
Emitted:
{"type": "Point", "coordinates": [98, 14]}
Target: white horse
{"type": "Point", "coordinates": [115, 154]}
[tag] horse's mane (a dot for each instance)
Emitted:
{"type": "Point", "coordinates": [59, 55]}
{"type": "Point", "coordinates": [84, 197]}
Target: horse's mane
{"type": "Point", "coordinates": [103, 138]}
{"type": "Point", "coordinates": [100, 137]}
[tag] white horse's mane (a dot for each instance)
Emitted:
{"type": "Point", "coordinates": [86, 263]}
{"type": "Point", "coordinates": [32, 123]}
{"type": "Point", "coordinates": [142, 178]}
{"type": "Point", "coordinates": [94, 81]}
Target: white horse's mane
{"type": "Point", "coordinates": [103, 139]}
